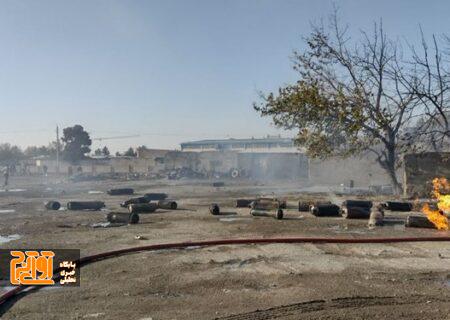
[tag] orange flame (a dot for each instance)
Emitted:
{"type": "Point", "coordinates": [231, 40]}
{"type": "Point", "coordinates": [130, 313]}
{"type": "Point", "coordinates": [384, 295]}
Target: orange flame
{"type": "Point", "coordinates": [437, 217]}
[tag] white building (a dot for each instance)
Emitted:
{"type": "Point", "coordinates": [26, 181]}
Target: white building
{"type": "Point", "coordinates": [269, 144]}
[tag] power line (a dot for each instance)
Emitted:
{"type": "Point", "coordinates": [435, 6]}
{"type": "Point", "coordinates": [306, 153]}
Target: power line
{"type": "Point", "coordinates": [116, 137]}
{"type": "Point", "coordinates": [24, 131]}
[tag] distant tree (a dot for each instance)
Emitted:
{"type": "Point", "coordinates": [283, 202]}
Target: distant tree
{"type": "Point", "coordinates": [118, 154]}
{"type": "Point", "coordinates": [130, 152]}
{"type": "Point", "coordinates": [10, 155]}
{"type": "Point", "coordinates": [33, 151]}
{"type": "Point", "coordinates": [37, 151]}
{"type": "Point", "coordinates": [102, 152]}
{"type": "Point", "coordinates": [105, 151]}
{"type": "Point", "coordinates": [140, 149]}
{"type": "Point", "coordinates": [76, 143]}
{"type": "Point", "coordinates": [350, 98]}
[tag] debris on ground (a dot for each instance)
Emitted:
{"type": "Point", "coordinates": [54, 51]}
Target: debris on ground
{"type": "Point", "coordinates": [155, 196]}
{"type": "Point", "coordinates": [123, 217]}
{"type": "Point", "coordinates": [8, 238]}
{"type": "Point", "coordinates": [218, 184]}
{"type": "Point", "coordinates": [126, 203]}
{"type": "Point", "coordinates": [376, 218]}
{"type": "Point", "coordinates": [265, 203]}
{"type": "Point", "coordinates": [278, 213]}
{"type": "Point", "coordinates": [143, 207]}
{"type": "Point", "coordinates": [271, 200]}
{"type": "Point", "coordinates": [107, 225]}
{"type": "Point", "coordinates": [53, 205]}
{"type": "Point", "coordinates": [325, 210]}
{"type": "Point", "coordinates": [214, 209]}
{"type": "Point", "coordinates": [7, 210]}
{"type": "Point", "coordinates": [303, 206]}
{"type": "Point", "coordinates": [167, 204]}
{"type": "Point", "coordinates": [398, 206]}
{"type": "Point", "coordinates": [419, 221]}
{"type": "Point", "coordinates": [81, 177]}
{"type": "Point", "coordinates": [184, 172]}
{"type": "Point", "coordinates": [244, 203]}
{"type": "Point", "coordinates": [65, 226]}
{"type": "Point", "coordinates": [120, 191]}
{"type": "Point", "coordinates": [356, 209]}
{"type": "Point", "coordinates": [85, 205]}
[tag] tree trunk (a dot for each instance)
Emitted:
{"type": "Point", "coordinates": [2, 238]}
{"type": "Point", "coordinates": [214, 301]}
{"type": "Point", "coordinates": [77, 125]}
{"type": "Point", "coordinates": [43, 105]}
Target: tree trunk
{"type": "Point", "coordinates": [390, 167]}
{"type": "Point", "coordinates": [393, 177]}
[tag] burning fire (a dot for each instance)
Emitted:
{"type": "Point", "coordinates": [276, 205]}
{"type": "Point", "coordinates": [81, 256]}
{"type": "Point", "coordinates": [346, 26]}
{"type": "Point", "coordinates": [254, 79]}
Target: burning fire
{"type": "Point", "coordinates": [437, 217]}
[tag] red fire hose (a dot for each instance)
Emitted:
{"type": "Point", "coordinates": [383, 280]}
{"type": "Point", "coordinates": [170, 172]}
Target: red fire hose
{"type": "Point", "coordinates": [181, 245]}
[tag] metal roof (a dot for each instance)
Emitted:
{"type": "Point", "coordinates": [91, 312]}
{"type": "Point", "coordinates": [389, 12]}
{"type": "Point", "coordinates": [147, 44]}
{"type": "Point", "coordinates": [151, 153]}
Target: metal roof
{"type": "Point", "coordinates": [232, 141]}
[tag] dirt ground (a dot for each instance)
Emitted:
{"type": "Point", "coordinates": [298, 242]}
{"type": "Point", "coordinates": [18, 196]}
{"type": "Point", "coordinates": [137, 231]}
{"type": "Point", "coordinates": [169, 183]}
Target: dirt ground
{"type": "Point", "coordinates": [275, 281]}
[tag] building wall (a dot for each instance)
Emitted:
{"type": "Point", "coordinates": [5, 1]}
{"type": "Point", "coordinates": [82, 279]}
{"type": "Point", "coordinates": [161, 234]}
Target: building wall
{"type": "Point", "coordinates": [209, 161]}
{"type": "Point", "coordinates": [256, 165]}
{"type": "Point", "coordinates": [259, 165]}
{"type": "Point", "coordinates": [94, 166]}
{"type": "Point", "coordinates": [364, 171]}
{"type": "Point", "coordinates": [421, 169]}
{"type": "Point", "coordinates": [216, 161]}
{"type": "Point", "coordinates": [151, 153]}
{"type": "Point", "coordinates": [177, 160]}
{"type": "Point", "coordinates": [128, 165]}
{"type": "Point", "coordinates": [155, 158]}
{"type": "Point", "coordinates": [290, 166]}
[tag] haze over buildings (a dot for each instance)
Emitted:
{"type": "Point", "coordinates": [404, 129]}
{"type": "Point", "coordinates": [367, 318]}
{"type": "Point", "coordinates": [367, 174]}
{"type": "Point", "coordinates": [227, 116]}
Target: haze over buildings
{"type": "Point", "coordinates": [121, 68]}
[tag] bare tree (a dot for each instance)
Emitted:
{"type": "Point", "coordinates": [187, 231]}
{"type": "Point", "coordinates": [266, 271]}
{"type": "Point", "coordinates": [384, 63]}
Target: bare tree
{"type": "Point", "coordinates": [350, 98]}
{"type": "Point", "coordinates": [430, 83]}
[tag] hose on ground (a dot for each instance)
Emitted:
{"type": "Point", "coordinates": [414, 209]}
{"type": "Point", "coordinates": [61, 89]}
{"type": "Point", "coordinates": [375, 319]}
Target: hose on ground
{"type": "Point", "coordinates": [207, 243]}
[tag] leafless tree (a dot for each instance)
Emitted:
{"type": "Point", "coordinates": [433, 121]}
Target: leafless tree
{"type": "Point", "coordinates": [352, 97]}
{"type": "Point", "coordinates": [430, 83]}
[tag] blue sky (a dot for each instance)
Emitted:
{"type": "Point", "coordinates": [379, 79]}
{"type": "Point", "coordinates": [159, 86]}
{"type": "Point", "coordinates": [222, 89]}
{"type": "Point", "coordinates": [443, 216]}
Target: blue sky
{"type": "Point", "coordinates": [170, 71]}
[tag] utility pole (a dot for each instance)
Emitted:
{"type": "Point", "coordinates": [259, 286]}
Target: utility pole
{"type": "Point", "coordinates": [57, 149]}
